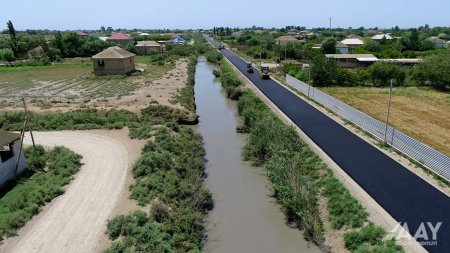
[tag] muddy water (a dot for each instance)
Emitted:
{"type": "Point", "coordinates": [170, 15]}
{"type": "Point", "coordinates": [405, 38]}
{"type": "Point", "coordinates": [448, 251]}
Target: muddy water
{"type": "Point", "coordinates": [246, 217]}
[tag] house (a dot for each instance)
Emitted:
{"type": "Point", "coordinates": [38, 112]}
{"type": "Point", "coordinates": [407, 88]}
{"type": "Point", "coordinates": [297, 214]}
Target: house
{"type": "Point", "coordinates": [353, 43]}
{"type": "Point", "coordinates": [437, 42]}
{"type": "Point", "coordinates": [284, 40]}
{"type": "Point", "coordinates": [178, 41]}
{"type": "Point", "coordinates": [380, 37]}
{"type": "Point", "coordinates": [292, 33]}
{"type": "Point", "coordinates": [120, 39]}
{"type": "Point", "coordinates": [342, 48]}
{"type": "Point", "coordinates": [353, 60]}
{"type": "Point", "coordinates": [82, 34]}
{"type": "Point", "coordinates": [36, 53]}
{"type": "Point", "coordinates": [9, 153]}
{"type": "Point", "coordinates": [113, 61]}
{"type": "Point", "coordinates": [143, 34]}
{"type": "Point", "coordinates": [147, 46]}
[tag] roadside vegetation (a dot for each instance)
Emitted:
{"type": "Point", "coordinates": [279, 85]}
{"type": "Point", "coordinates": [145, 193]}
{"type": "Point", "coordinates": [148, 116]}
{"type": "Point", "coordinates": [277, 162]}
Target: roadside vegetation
{"type": "Point", "coordinates": [168, 177]}
{"type": "Point", "coordinates": [300, 179]}
{"type": "Point", "coordinates": [47, 174]}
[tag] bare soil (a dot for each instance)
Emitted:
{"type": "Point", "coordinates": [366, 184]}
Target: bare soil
{"type": "Point", "coordinates": [76, 221]}
{"type": "Point", "coordinates": [76, 88]}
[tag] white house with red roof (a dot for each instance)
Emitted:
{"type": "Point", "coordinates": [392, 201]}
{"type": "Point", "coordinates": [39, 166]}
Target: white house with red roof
{"type": "Point", "coordinates": [120, 39]}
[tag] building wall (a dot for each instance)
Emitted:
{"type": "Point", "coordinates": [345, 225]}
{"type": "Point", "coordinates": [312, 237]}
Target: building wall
{"type": "Point", "coordinates": [121, 42]}
{"type": "Point", "coordinates": [144, 50]}
{"type": "Point", "coordinates": [342, 50]}
{"type": "Point", "coordinates": [113, 66]}
{"type": "Point", "coordinates": [7, 168]}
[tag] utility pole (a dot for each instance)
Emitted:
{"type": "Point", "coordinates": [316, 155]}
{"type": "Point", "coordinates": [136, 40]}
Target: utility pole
{"type": "Point", "coordinates": [309, 80]}
{"type": "Point", "coordinates": [330, 22]}
{"type": "Point", "coordinates": [28, 121]}
{"type": "Point", "coordinates": [388, 112]}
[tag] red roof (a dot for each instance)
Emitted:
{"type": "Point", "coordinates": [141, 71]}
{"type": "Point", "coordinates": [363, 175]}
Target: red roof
{"type": "Point", "coordinates": [119, 36]}
{"type": "Point", "coordinates": [82, 34]}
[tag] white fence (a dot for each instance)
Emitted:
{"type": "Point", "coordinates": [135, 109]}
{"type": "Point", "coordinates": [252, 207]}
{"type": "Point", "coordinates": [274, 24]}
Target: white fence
{"type": "Point", "coordinates": [427, 156]}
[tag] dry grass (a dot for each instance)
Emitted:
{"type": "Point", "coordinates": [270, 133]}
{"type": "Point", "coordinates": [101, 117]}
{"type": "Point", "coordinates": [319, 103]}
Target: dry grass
{"type": "Point", "coordinates": [422, 113]}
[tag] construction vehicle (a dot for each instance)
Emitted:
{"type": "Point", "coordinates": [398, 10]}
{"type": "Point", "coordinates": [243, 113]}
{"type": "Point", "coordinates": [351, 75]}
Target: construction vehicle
{"type": "Point", "coordinates": [249, 67]}
{"type": "Point", "coordinates": [264, 72]}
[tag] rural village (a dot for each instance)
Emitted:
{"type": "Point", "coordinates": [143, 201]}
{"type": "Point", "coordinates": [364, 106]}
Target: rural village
{"type": "Point", "coordinates": [225, 139]}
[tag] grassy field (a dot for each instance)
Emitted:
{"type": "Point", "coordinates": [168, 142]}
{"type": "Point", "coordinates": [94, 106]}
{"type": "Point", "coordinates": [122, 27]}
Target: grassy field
{"type": "Point", "coordinates": [72, 82]}
{"type": "Point", "coordinates": [422, 113]}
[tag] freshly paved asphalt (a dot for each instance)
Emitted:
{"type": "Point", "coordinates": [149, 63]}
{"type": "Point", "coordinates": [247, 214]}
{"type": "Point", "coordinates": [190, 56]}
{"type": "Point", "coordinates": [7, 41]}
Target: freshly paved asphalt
{"type": "Point", "coordinates": [405, 196]}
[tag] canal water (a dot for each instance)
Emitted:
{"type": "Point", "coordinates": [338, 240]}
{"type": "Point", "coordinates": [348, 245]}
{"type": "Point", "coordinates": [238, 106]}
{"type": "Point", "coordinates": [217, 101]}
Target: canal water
{"type": "Point", "coordinates": [245, 218]}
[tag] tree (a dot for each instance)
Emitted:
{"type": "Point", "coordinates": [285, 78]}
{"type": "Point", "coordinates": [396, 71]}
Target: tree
{"type": "Point", "coordinates": [381, 73]}
{"type": "Point", "coordinates": [72, 44]}
{"type": "Point", "coordinates": [329, 46]}
{"type": "Point", "coordinates": [59, 43]}
{"type": "Point", "coordinates": [92, 46]}
{"type": "Point", "coordinates": [434, 71]}
{"type": "Point", "coordinates": [12, 36]}
{"type": "Point", "coordinates": [323, 71]}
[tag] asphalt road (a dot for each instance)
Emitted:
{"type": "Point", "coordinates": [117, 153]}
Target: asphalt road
{"type": "Point", "coordinates": [405, 196]}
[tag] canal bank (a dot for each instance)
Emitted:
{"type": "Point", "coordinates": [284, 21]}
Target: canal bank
{"type": "Point", "coordinates": [245, 218]}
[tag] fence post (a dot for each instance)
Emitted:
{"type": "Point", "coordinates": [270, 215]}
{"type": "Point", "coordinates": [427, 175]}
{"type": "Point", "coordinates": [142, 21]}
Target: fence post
{"type": "Point", "coordinates": [388, 112]}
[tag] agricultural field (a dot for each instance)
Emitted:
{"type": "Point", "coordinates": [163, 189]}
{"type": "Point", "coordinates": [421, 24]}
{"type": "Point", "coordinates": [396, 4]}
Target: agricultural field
{"type": "Point", "coordinates": [422, 113]}
{"type": "Point", "coordinates": [72, 85]}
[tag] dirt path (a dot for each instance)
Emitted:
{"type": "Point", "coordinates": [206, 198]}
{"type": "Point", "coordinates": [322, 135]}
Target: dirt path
{"type": "Point", "coordinates": [76, 221]}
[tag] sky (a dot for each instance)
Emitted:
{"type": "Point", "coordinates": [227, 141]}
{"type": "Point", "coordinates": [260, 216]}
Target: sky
{"type": "Point", "coordinates": [184, 14]}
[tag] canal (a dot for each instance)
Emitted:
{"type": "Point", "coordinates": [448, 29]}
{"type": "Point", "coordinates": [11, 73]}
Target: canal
{"type": "Point", "coordinates": [245, 218]}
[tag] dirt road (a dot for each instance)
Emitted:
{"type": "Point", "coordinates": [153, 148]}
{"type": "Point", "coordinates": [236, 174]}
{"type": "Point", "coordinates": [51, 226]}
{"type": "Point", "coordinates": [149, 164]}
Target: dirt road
{"type": "Point", "coordinates": [76, 221]}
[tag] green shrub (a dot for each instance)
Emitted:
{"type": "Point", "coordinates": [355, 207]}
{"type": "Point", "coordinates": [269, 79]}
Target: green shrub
{"type": "Point", "coordinates": [299, 177]}
{"type": "Point", "coordinates": [23, 199]}
{"type": "Point", "coordinates": [168, 176]}
{"type": "Point", "coordinates": [370, 239]}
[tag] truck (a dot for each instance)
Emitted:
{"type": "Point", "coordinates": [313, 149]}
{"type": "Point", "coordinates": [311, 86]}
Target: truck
{"type": "Point", "coordinates": [264, 72]}
{"type": "Point", "coordinates": [249, 67]}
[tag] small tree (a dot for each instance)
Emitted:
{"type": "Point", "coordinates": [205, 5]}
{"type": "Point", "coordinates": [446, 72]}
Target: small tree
{"type": "Point", "coordinates": [381, 73]}
{"type": "Point", "coordinates": [434, 71]}
{"type": "Point", "coordinates": [323, 71]}
{"type": "Point", "coordinates": [6, 54]}
{"type": "Point", "coordinates": [329, 46]}
{"type": "Point", "coordinates": [12, 36]}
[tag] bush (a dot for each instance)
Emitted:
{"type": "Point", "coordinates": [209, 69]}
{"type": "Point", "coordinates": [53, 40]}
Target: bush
{"type": "Point", "coordinates": [7, 54]}
{"type": "Point", "coordinates": [298, 175]}
{"type": "Point", "coordinates": [381, 73]}
{"type": "Point", "coordinates": [370, 239]}
{"type": "Point", "coordinates": [22, 200]}
{"type": "Point", "coordinates": [168, 176]}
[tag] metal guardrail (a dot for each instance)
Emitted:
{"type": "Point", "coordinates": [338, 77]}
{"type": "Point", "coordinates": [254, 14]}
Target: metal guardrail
{"type": "Point", "coordinates": [416, 150]}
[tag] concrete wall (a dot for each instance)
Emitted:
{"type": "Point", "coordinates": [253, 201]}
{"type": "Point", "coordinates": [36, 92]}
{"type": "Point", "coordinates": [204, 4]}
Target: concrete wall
{"type": "Point", "coordinates": [144, 50]}
{"type": "Point", "coordinates": [121, 42]}
{"type": "Point", "coordinates": [114, 66]}
{"type": "Point", "coordinates": [7, 168]}
{"type": "Point", "coordinates": [342, 50]}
